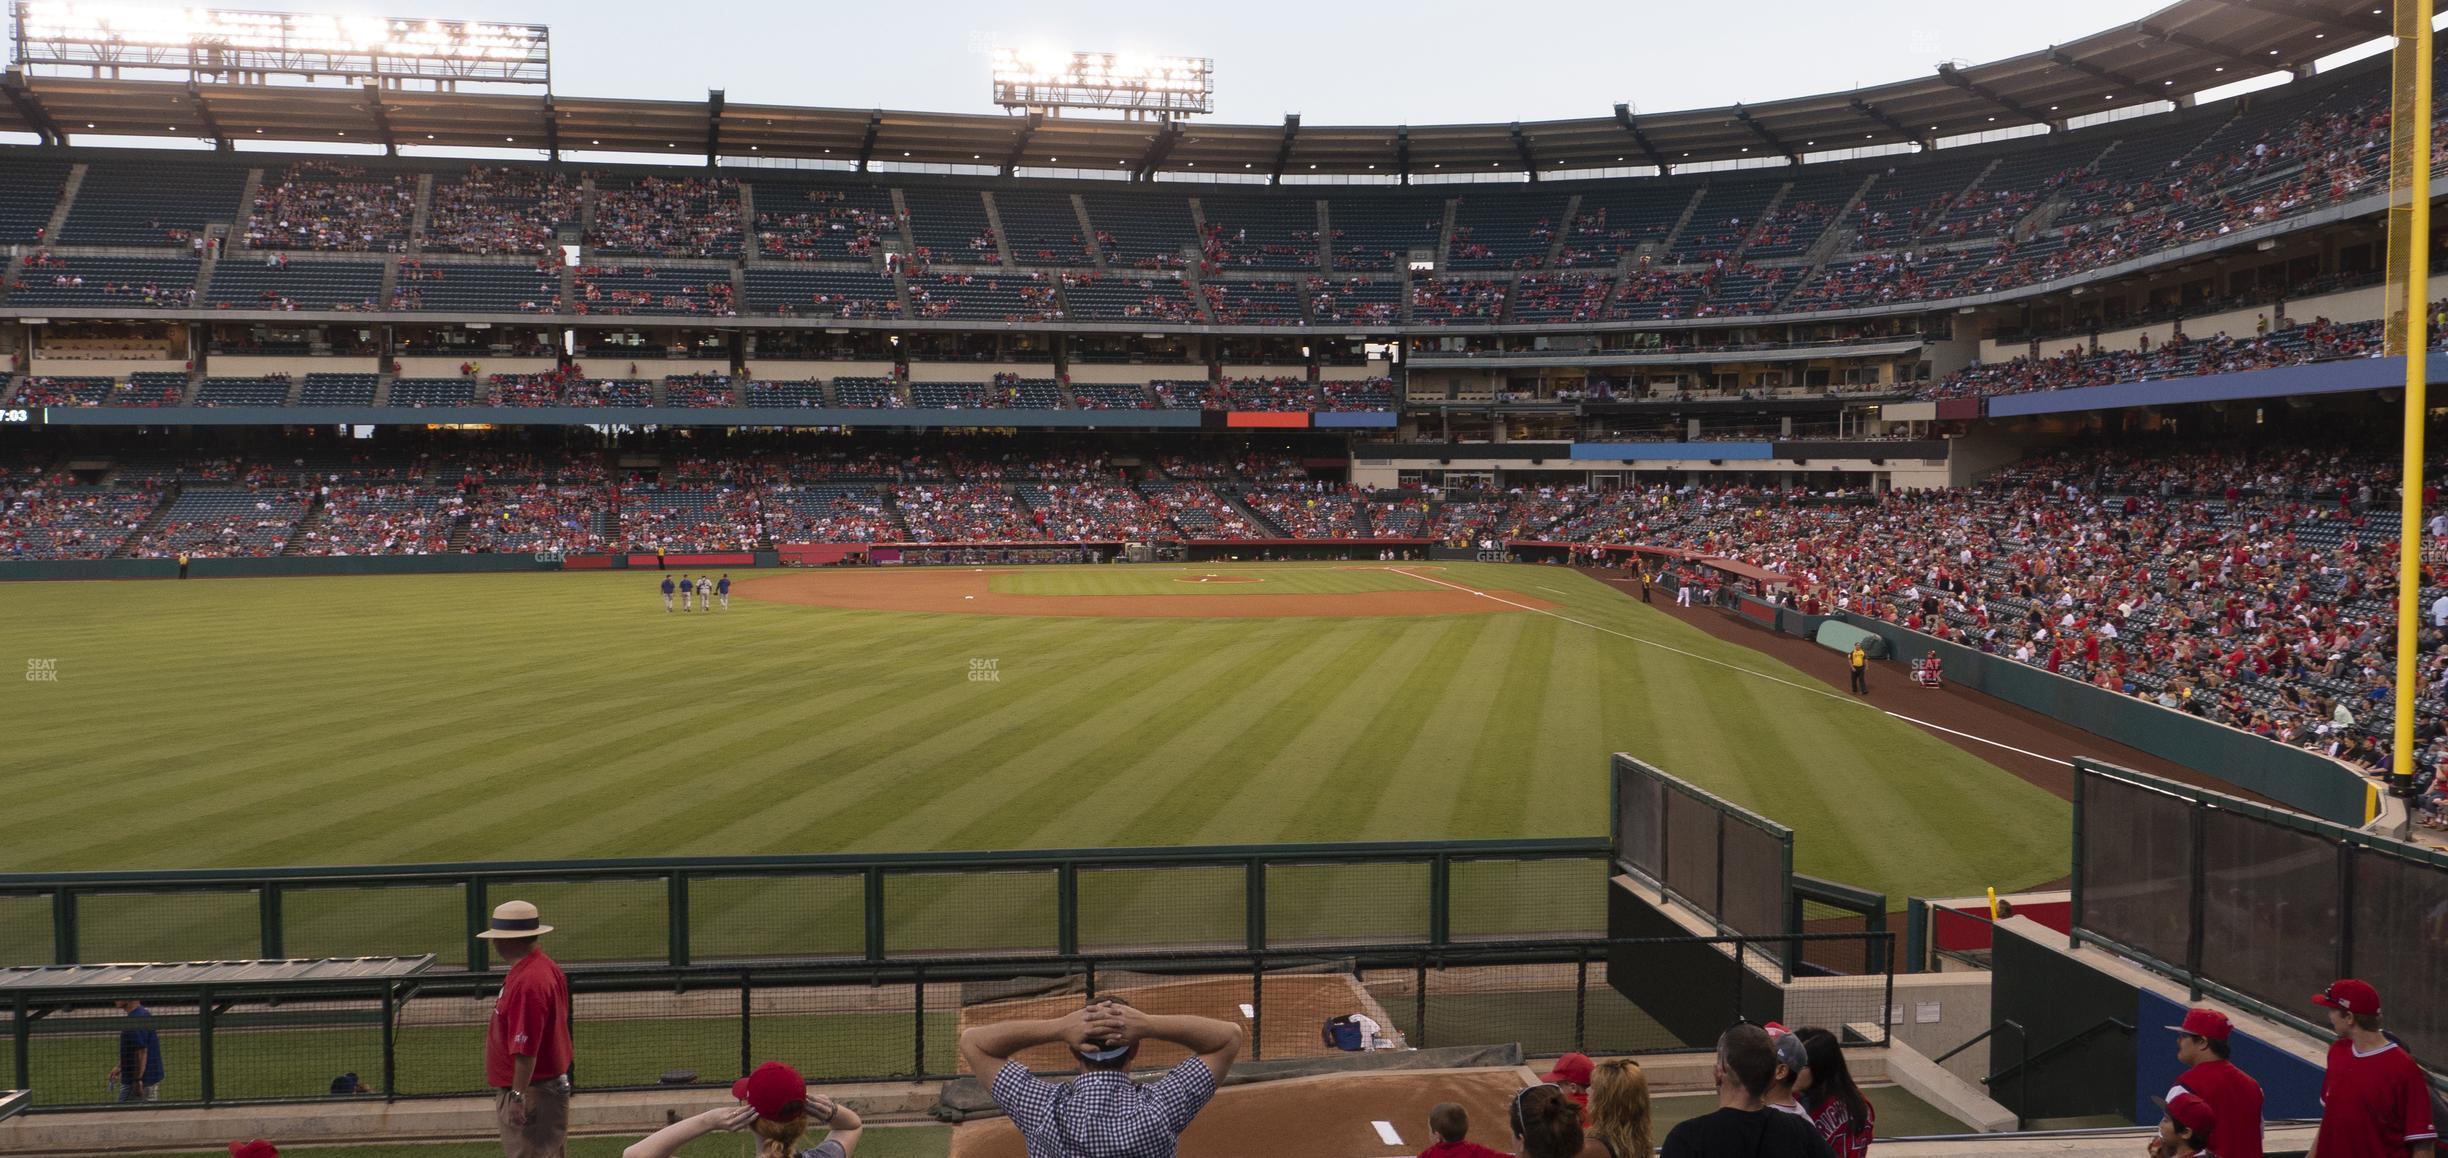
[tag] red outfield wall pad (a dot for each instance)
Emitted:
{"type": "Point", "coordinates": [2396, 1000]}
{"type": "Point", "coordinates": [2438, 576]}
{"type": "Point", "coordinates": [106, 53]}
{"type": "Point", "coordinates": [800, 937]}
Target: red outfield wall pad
{"type": "Point", "coordinates": [700, 559]}
{"type": "Point", "coordinates": [1270, 418]}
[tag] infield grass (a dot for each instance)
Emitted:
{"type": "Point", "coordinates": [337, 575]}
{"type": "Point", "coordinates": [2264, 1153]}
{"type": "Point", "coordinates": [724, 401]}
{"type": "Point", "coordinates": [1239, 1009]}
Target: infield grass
{"type": "Point", "coordinates": [469, 717]}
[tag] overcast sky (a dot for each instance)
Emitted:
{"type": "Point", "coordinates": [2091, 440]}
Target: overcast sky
{"type": "Point", "coordinates": [1333, 62]}
{"type": "Point", "coordinates": [1422, 62]}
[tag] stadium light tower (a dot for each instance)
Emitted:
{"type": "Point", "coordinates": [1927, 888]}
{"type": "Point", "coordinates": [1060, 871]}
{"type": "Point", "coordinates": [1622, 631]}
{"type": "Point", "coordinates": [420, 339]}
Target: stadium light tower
{"type": "Point", "coordinates": [107, 39]}
{"type": "Point", "coordinates": [1138, 86]}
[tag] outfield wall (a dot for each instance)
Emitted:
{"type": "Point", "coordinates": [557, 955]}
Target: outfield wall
{"type": "Point", "coordinates": [277, 565]}
{"type": "Point", "coordinates": [2303, 780]}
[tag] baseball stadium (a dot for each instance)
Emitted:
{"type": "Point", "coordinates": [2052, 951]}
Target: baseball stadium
{"type": "Point", "coordinates": [583, 622]}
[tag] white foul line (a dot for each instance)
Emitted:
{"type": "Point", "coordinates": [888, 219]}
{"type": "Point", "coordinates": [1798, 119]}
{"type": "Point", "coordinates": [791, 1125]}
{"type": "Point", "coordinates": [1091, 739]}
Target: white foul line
{"type": "Point", "coordinates": [1980, 739]}
{"type": "Point", "coordinates": [1737, 667]}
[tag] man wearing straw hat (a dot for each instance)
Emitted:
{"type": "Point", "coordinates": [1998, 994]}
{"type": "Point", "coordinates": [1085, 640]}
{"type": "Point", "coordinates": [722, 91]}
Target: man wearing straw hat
{"type": "Point", "coordinates": [527, 1041]}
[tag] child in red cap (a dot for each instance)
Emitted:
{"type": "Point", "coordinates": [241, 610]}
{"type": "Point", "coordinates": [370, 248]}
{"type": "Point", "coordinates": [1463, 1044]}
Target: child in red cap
{"type": "Point", "coordinates": [778, 1107]}
{"type": "Point", "coordinates": [2187, 1130]}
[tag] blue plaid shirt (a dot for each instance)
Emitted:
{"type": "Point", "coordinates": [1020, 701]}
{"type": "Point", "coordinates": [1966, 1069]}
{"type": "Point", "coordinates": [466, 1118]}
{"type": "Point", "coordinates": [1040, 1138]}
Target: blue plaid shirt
{"type": "Point", "coordinates": [1102, 1113]}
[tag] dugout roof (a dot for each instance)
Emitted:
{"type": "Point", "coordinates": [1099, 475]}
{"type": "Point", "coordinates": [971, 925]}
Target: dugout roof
{"type": "Point", "coordinates": [216, 974]}
{"type": "Point", "coordinates": [2186, 47]}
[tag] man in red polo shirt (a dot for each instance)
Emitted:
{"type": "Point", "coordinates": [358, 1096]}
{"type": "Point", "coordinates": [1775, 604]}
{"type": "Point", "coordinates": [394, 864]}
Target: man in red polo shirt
{"type": "Point", "coordinates": [2233, 1096]}
{"type": "Point", "coordinates": [2374, 1102]}
{"type": "Point", "coordinates": [527, 1042]}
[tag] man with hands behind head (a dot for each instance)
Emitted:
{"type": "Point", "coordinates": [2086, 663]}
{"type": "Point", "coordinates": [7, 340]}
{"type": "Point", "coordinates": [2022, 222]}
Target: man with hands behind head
{"type": "Point", "coordinates": [1102, 1113]}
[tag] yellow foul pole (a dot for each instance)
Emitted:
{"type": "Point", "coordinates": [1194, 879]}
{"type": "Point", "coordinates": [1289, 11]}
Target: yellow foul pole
{"type": "Point", "coordinates": [2410, 217]}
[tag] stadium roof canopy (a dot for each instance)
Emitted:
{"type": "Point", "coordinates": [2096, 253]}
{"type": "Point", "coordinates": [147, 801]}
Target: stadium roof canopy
{"type": "Point", "coordinates": [2188, 47]}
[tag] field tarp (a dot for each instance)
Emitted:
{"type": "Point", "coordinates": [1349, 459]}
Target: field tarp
{"type": "Point", "coordinates": [1839, 636]}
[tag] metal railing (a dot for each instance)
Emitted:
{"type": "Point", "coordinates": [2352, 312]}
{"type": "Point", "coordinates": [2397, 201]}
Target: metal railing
{"type": "Point", "coordinates": [664, 1027]}
{"type": "Point", "coordinates": [680, 911]}
{"type": "Point", "coordinates": [1723, 861]}
{"type": "Point", "coordinates": [2255, 905]}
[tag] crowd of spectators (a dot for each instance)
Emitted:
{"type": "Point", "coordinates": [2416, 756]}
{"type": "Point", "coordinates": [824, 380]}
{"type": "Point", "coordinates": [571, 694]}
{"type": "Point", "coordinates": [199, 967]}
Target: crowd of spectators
{"type": "Point", "coordinates": [2175, 356]}
{"type": "Point", "coordinates": [822, 217]}
{"type": "Point", "coordinates": [1199, 511]}
{"type": "Point", "coordinates": [688, 293]}
{"type": "Point", "coordinates": [381, 519]}
{"type": "Point", "coordinates": [2251, 588]}
{"type": "Point", "coordinates": [686, 515]}
{"type": "Point", "coordinates": [336, 207]}
{"type": "Point", "coordinates": [1097, 510]}
{"type": "Point", "coordinates": [963, 513]}
{"type": "Point", "coordinates": [502, 210]}
{"type": "Point", "coordinates": [663, 217]}
{"type": "Point", "coordinates": [53, 516]}
{"type": "Point", "coordinates": [1309, 510]}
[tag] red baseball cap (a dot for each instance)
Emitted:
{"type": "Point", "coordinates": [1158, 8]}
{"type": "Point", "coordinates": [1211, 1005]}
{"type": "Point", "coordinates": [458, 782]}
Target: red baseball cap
{"type": "Point", "coordinates": [2206, 1023]}
{"type": "Point", "coordinates": [2190, 1112]}
{"type": "Point", "coordinates": [1572, 1067]}
{"type": "Point", "coordinates": [2350, 995]}
{"type": "Point", "coordinates": [775, 1091]}
{"type": "Point", "coordinates": [255, 1149]}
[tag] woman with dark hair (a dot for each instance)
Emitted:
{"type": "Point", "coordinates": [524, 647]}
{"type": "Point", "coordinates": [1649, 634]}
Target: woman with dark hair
{"type": "Point", "coordinates": [1844, 1117]}
{"type": "Point", "coordinates": [1546, 1123]}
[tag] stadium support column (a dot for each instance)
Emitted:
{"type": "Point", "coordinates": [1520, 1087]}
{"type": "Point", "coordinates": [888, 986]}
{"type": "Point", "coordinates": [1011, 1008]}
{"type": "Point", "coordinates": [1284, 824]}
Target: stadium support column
{"type": "Point", "coordinates": [2408, 304]}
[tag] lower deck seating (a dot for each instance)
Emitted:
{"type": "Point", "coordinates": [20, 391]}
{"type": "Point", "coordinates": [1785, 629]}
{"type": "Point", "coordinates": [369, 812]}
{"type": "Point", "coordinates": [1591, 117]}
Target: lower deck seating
{"type": "Point", "coordinates": [1112, 396]}
{"type": "Point", "coordinates": [338, 390]}
{"type": "Point", "coordinates": [433, 392]}
{"type": "Point", "coordinates": [868, 393]}
{"type": "Point", "coordinates": [211, 523]}
{"type": "Point", "coordinates": [43, 520]}
{"type": "Point", "coordinates": [271, 391]}
{"type": "Point", "coordinates": [798, 395]}
{"type": "Point", "coordinates": [244, 282]}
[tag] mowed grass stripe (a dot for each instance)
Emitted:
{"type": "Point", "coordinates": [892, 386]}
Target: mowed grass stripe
{"type": "Point", "coordinates": [1338, 807]}
{"type": "Point", "coordinates": [1319, 751]}
{"type": "Point", "coordinates": [683, 800]}
{"type": "Point", "coordinates": [468, 717]}
{"type": "Point", "coordinates": [1509, 738]}
{"type": "Point", "coordinates": [1033, 817]}
{"type": "Point", "coordinates": [1224, 781]}
{"type": "Point", "coordinates": [825, 764]}
{"type": "Point", "coordinates": [1218, 726]}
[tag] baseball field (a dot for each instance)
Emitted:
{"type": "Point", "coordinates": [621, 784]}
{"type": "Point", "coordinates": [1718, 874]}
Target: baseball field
{"type": "Point", "coordinates": [466, 717]}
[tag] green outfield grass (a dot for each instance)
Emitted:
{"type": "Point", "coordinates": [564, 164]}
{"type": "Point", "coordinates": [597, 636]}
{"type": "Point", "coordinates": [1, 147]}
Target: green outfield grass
{"type": "Point", "coordinates": [470, 717]}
